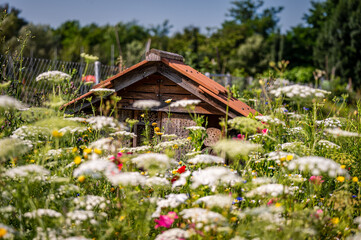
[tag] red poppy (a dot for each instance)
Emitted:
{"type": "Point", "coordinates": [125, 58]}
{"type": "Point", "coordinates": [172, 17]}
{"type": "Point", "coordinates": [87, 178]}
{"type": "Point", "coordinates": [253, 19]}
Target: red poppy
{"type": "Point", "coordinates": [89, 78]}
{"type": "Point", "coordinates": [182, 169]}
{"type": "Point", "coordinates": [175, 178]}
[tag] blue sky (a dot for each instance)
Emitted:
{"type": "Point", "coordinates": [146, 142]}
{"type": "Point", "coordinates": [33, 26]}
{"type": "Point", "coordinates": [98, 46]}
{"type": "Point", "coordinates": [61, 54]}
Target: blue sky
{"type": "Point", "coordinates": [180, 13]}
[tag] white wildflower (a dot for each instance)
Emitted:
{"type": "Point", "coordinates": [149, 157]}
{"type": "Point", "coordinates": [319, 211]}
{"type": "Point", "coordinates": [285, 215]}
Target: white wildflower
{"type": "Point", "coordinates": [271, 120]}
{"type": "Point", "coordinates": [73, 130]}
{"type": "Point", "coordinates": [89, 58]}
{"type": "Point", "coordinates": [136, 149]}
{"type": "Point", "coordinates": [173, 234]}
{"type": "Point", "coordinates": [299, 92]}
{"type": "Point", "coordinates": [157, 181]}
{"type": "Point", "coordinates": [235, 148]}
{"type": "Point", "coordinates": [76, 119]}
{"type": "Point", "coordinates": [25, 171]}
{"type": "Point", "coordinates": [212, 176]}
{"type": "Point", "coordinates": [317, 165]}
{"type": "Point", "coordinates": [337, 132]}
{"type": "Point", "coordinates": [153, 160]}
{"type": "Point", "coordinates": [269, 189]}
{"type": "Point", "coordinates": [7, 102]}
{"type": "Point", "coordinates": [54, 76]}
{"type": "Point", "coordinates": [185, 103]}
{"type": "Point", "coordinates": [89, 202]}
{"type": "Point", "coordinates": [329, 123]}
{"type": "Point", "coordinates": [123, 134]}
{"type": "Point", "coordinates": [172, 201]}
{"type": "Point", "coordinates": [126, 178]}
{"type": "Point", "coordinates": [170, 144]}
{"type": "Point", "coordinates": [80, 215]}
{"type": "Point", "coordinates": [219, 200]}
{"type": "Point", "coordinates": [169, 136]}
{"type": "Point", "coordinates": [146, 104]}
{"type": "Point", "coordinates": [12, 147]}
{"type": "Point", "coordinates": [195, 128]}
{"type": "Point", "coordinates": [100, 122]}
{"type": "Point", "coordinates": [96, 167]}
{"type": "Point", "coordinates": [262, 180]}
{"type": "Point", "coordinates": [42, 213]}
{"type": "Point", "coordinates": [105, 144]}
{"type": "Point", "coordinates": [102, 91]}
{"type": "Point", "coordinates": [206, 159]}
{"type": "Point", "coordinates": [327, 144]}
{"type": "Point", "coordinates": [200, 215]}
{"type": "Point", "coordinates": [182, 179]}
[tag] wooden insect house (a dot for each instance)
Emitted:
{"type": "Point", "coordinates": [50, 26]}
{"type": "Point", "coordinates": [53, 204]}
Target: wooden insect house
{"type": "Point", "coordinates": [163, 76]}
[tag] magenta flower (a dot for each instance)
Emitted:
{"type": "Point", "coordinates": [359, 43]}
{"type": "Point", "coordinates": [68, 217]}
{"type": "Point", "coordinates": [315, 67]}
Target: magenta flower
{"type": "Point", "coordinates": [166, 220]}
{"type": "Point", "coordinates": [264, 131]}
{"type": "Point", "coordinates": [316, 180]}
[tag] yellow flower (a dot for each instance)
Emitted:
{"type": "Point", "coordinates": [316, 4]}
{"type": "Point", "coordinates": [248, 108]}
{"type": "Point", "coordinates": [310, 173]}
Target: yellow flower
{"type": "Point", "coordinates": [112, 189]}
{"type": "Point", "coordinates": [189, 138]}
{"type": "Point", "coordinates": [143, 173]}
{"type": "Point", "coordinates": [142, 115]}
{"type": "Point", "coordinates": [57, 134]}
{"type": "Point", "coordinates": [283, 158]}
{"type": "Point", "coordinates": [3, 232]}
{"type": "Point", "coordinates": [174, 171]}
{"type": "Point", "coordinates": [156, 129]}
{"type": "Point", "coordinates": [75, 149]}
{"type": "Point", "coordinates": [97, 151]}
{"type": "Point", "coordinates": [355, 179]}
{"type": "Point", "coordinates": [77, 160]}
{"type": "Point", "coordinates": [289, 157]}
{"type": "Point", "coordinates": [335, 220]}
{"type": "Point", "coordinates": [340, 178]}
{"type": "Point", "coordinates": [175, 146]}
{"type": "Point", "coordinates": [32, 160]}
{"type": "Point", "coordinates": [81, 178]}
{"type": "Point", "coordinates": [121, 218]}
{"type": "Point", "coordinates": [180, 162]}
{"type": "Point", "coordinates": [159, 133]}
{"type": "Point", "coordinates": [154, 124]}
{"type": "Point", "coordinates": [343, 166]}
{"type": "Point", "coordinates": [168, 100]}
{"type": "Point", "coordinates": [278, 205]}
{"type": "Point", "coordinates": [233, 219]}
{"type": "Point", "coordinates": [87, 150]}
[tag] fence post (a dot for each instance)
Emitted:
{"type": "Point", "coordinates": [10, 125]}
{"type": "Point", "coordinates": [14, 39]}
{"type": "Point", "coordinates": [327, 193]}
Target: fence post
{"type": "Point", "coordinates": [228, 79]}
{"type": "Point", "coordinates": [97, 71]}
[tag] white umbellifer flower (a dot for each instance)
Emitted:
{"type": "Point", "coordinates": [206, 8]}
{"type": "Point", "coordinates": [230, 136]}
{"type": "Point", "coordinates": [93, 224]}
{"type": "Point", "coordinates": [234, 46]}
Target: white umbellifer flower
{"type": "Point", "coordinates": [54, 152]}
{"type": "Point", "coordinates": [102, 91]}
{"type": "Point", "coordinates": [89, 58]}
{"type": "Point", "coordinates": [262, 180]}
{"type": "Point", "coordinates": [290, 145]}
{"type": "Point", "coordinates": [196, 128]}
{"type": "Point", "coordinates": [73, 129]}
{"type": "Point", "coordinates": [169, 136]}
{"type": "Point", "coordinates": [7, 102]}
{"type": "Point", "coordinates": [153, 160]}
{"type": "Point", "coordinates": [182, 179]}
{"type": "Point", "coordinates": [207, 159]}
{"type": "Point", "coordinates": [269, 189]}
{"type": "Point", "coordinates": [100, 122]}
{"type": "Point", "coordinates": [42, 212]}
{"type": "Point", "coordinates": [172, 201]}
{"type": "Point", "coordinates": [200, 215]}
{"type": "Point", "coordinates": [219, 200]}
{"type": "Point", "coordinates": [89, 202]}
{"type": "Point", "coordinates": [329, 123]}
{"type": "Point", "coordinates": [146, 104]}
{"type": "Point", "coordinates": [169, 144]}
{"type": "Point", "coordinates": [12, 147]}
{"type": "Point", "coordinates": [337, 132]}
{"type": "Point", "coordinates": [26, 170]}
{"type": "Point", "coordinates": [124, 134]}
{"type": "Point", "coordinates": [126, 178]}
{"type": "Point", "coordinates": [7, 209]}
{"type": "Point", "coordinates": [295, 130]}
{"type": "Point", "coordinates": [173, 234]}
{"type": "Point", "coordinates": [271, 120]}
{"type": "Point", "coordinates": [317, 165]}
{"type": "Point", "coordinates": [277, 156]}
{"type": "Point", "coordinates": [31, 133]}
{"type": "Point", "coordinates": [80, 215]}
{"type": "Point", "coordinates": [54, 76]}
{"type": "Point", "coordinates": [299, 91]}
{"type": "Point", "coordinates": [157, 181]}
{"type": "Point", "coordinates": [264, 213]}
{"type": "Point", "coordinates": [327, 144]}
{"type": "Point", "coordinates": [105, 144]}
{"type": "Point", "coordinates": [193, 154]}
{"type": "Point", "coordinates": [76, 119]}
{"type": "Point", "coordinates": [212, 176]}
{"type": "Point", "coordinates": [135, 149]}
{"type": "Point", "coordinates": [235, 148]}
{"type": "Point", "coordinates": [95, 167]}
{"type": "Point", "coordinates": [185, 103]}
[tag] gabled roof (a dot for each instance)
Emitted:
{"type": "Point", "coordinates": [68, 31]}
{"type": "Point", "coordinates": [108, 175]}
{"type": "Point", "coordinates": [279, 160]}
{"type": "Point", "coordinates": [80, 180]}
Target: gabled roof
{"type": "Point", "coordinates": [204, 85]}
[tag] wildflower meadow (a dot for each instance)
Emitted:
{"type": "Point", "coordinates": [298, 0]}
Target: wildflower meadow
{"type": "Point", "coordinates": [289, 172]}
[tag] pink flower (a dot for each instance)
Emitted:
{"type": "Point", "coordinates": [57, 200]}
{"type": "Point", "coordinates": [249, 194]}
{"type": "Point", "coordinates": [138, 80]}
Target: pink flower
{"type": "Point", "coordinates": [166, 220]}
{"type": "Point", "coordinates": [264, 131]}
{"type": "Point", "coordinates": [319, 211]}
{"type": "Point", "coordinates": [120, 154]}
{"type": "Point", "coordinates": [111, 158]}
{"type": "Point", "coordinates": [316, 180]}
{"type": "Point", "coordinates": [240, 136]}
